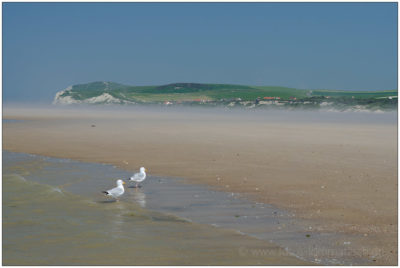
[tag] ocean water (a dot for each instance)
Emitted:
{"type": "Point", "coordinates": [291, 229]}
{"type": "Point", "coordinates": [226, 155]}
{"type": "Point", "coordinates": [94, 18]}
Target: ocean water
{"type": "Point", "coordinates": [55, 214]}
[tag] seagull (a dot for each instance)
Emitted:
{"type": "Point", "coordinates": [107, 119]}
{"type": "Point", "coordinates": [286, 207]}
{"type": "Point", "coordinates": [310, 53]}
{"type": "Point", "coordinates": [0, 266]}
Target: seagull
{"type": "Point", "coordinates": [117, 191]}
{"type": "Point", "coordinates": [139, 177]}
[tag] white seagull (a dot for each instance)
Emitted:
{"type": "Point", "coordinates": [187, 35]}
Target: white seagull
{"type": "Point", "coordinates": [139, 177]}
{"type": "Point", "coordinates": [117, 191]}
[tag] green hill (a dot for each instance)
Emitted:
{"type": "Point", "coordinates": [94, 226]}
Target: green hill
{"type": "Point", "coordinates": [110, 92]}
{"type": "Point", "coordinates": [356, 94]}
{"type": "Point", "coordinates": [176, 92]}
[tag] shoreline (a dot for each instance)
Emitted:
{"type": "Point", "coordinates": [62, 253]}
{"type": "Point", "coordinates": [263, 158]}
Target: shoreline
{"type": "Point", "coordinates": [214, 150]}
{"type": "Point", "coordinates": [82, 204]}
{"type": "Point", "coordinates": [234, 213]}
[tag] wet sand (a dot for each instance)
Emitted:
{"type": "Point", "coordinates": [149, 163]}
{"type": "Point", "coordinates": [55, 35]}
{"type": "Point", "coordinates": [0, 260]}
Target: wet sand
{"type": "Point", "coordinates": [55, 214]}
{"type": "Point", "coordinates": [337, 173]}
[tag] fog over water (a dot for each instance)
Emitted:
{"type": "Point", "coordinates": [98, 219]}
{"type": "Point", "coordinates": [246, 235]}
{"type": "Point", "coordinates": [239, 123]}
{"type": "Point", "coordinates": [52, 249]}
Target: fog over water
{"type": "Point", "coordinates": [203, 113]}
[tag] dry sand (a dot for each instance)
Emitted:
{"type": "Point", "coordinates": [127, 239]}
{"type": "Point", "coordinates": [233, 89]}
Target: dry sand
{"type": "Point", "coordinates": [338, 172]}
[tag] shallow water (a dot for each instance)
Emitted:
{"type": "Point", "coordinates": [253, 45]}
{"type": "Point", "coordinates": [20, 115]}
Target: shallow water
{"type": "Point", "coordinates": [54, 214]}
{"type": "Point", "coordinates": [11, 121]}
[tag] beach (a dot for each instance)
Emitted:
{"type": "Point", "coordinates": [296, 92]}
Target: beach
{"type": "Point", "coordinates": [55, 214]}
{"type": "Point", "coordinates": [336, 172]}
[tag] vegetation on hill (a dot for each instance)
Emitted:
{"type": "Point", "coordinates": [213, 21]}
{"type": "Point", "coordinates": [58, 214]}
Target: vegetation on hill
{"type": "Point", "coordinates": [356, 94]}
{"type": "Point", "coordinates": [226, 94]}
{"type": "Point", "coordinates": [179, 91]}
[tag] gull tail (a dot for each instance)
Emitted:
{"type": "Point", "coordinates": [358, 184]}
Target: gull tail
{"type": "Point", "coordinates": [105, 192]}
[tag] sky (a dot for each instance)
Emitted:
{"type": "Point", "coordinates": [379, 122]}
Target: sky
{"type": "Point", "coordinates": [50, 46]}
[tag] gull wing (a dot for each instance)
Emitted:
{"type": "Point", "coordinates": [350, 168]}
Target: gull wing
{"type": "Point", "coordinates": [137, 177]}
{"type": "Point", "coordinates": [117, 191]}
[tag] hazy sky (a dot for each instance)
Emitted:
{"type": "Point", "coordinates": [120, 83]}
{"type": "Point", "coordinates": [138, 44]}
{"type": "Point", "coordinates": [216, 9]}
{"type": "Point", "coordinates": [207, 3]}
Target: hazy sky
{"type": "Point", "coordinates": [49, 46]}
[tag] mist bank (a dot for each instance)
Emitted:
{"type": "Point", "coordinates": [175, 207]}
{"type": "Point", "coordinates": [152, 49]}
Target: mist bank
{"type": "Point", "coordinates": [237, 115]}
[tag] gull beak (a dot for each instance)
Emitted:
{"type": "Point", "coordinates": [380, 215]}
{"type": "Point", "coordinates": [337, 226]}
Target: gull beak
{"type": "Point", "coordinates": [123, 182]}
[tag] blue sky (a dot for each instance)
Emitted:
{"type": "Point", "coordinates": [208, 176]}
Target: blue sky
{"type": "Point", "coordinates": [49, 46]}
